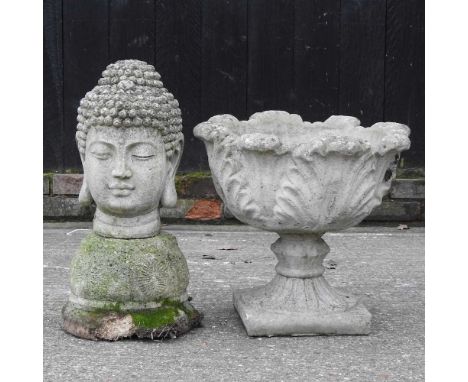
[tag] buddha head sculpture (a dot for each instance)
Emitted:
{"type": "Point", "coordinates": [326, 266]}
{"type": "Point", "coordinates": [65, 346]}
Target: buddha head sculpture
{"type": "Point", "coordinates": [130, 143]}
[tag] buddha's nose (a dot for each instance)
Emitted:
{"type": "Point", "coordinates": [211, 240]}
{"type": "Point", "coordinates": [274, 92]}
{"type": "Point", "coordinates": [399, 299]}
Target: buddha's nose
{"type": "Point", "coordinates": [121, 170]}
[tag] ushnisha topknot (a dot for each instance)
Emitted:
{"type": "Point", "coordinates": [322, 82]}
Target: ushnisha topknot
{"type": "Point", "coordinates": [130, 93]}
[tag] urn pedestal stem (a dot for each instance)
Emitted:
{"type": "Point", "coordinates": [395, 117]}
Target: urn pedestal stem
{"type": "Point", "coordinates": [299, 300]}
{"type": "Point", "coordinates": [299, 255]}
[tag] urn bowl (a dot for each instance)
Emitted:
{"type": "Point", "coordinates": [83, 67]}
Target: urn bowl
{"type": "Point", "coordinates": [280, 173]}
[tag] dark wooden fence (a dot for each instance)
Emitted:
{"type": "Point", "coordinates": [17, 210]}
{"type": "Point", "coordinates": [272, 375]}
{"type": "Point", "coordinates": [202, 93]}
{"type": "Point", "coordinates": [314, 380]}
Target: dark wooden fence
{"type": "Point", "coordinates": [313, 57]}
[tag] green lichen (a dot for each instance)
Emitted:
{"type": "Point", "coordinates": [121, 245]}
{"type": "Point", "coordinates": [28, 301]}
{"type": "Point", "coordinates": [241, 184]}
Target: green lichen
{"type": "Point", "coordinates": [170, 320]}
{"type": "Point", "coordinates": [122, 270]}
{"type": "Point", "coordinates": [167, 314]}
{"type": "Point", "coordinates": [195, 174]}
{"type": "Point", "coordinates": [73, 171]}
{"type": "Point", "coordinates": [49, 175]}
{"type": "Point", "coordinates": [184, 181]}
{"type": "Point", "coordinates": [410, 173]}
{"type": "Point", "coordinates": [112, 306]}
{"type": "Point", "coordinates": [94, 243]}
{"type": "Point", "coordinates": [155, 318]}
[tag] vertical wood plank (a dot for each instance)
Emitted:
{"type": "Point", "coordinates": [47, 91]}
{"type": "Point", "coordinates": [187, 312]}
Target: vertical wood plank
{"type": "Point", "coordinates": [404, 72]}
{"type": "Point", "coordinates": [85, 56]}
{"type": "Point", "coordinates": [53, 86]}
{"type": "Point", "coordinates": [224, 58]}
{"type": "Point", "coordinates": [131, 25]}
{"type": "Point", "coordinates": [178, 60]}
{"type": "Point", "coordinates": [362, 59]}
{"type": "Point", "coordinates": [240, 57]}
{"type": "Point", "coordinates": [317, 58]}
{"type": "Point", "coordinates": [270, 55]}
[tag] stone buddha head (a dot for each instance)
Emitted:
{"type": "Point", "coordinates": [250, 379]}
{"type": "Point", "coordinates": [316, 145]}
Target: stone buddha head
{"type": "Point", "coordinates": [130, 142]}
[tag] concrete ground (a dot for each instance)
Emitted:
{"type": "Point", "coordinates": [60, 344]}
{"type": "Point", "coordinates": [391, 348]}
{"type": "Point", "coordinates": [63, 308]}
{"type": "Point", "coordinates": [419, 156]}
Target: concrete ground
{"type": "Point", "coordinates": [383, 265]}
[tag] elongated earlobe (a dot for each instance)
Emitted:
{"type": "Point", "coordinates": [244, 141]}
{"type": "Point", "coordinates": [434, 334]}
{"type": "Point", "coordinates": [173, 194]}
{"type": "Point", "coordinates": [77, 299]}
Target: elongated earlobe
{"type": "Point", "coordinates": [169, 195]}
{"type": "Point", "coordinates": [85, 197]}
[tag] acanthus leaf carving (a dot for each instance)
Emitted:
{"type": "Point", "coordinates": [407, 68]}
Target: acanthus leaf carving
{"type": "Point", "coordinates": [234, 185]}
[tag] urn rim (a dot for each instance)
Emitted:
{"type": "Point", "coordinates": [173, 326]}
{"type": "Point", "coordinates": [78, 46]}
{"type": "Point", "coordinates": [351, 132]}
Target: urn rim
{"type": "Point", "coordinates": [280, 132]}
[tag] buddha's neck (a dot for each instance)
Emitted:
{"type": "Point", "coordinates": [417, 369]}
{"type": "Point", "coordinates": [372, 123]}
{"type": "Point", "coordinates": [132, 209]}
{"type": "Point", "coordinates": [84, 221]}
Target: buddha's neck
{"type": "Point", "coordinates": [137, 227]}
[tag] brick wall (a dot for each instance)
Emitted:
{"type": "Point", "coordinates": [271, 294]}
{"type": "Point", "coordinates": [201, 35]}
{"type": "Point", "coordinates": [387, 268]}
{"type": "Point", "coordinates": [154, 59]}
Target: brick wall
{"type": "Point", "coordinates": [198, 200]}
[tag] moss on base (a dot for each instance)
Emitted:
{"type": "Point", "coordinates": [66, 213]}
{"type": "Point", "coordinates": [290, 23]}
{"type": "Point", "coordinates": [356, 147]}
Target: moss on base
{"type": "Point", "coordinates": [170, 320]}
{"type": "Point", "coordinates": [124, 288]}
{"type": "Point", "coordinates": [121, 270]}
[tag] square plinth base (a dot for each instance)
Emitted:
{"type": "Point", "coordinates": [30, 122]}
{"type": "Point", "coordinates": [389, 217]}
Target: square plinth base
{"type": "Point", "coordinates": [259, 321]}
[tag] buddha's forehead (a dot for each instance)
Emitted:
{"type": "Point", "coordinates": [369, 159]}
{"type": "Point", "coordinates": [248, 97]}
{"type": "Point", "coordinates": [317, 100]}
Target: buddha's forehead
{"type": "Point", "coordinates": [127, 135]}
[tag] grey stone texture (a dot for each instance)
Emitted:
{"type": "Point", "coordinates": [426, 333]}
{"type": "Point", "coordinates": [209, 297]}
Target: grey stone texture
{"type": "Point", "coordinates": [130, 143]}
{"type": "Point", "coordinates": [60, 207]}
{"type": "Point", "coordinates": [280, 173]}
{"type": "Point", "coordinates": [179, 211]}
{"type": "Point", "coordinates": [227, 214]}
{"type": "Point", "coordinates": [408, 189]}
{"type": "Point", "coordinates": [122, 288]}
{"type": "Point", "coordinates": [391, 210]}
{"type": "Point", "coordinates": [45, 185]}
{"type": "Point", "coordinates": [299, 300]}
{"type": "Point", "coordinates": [67, 184]}
{"type": "Point", "coordinates": [384, 265]}
{"type": "Point", "coordinates": [396, 210]}
{"type": "Point", "coordinates": [141, 271]}
{"type": "Point", "coordinates": [128, 278]}
{"type": "Point", "coordinates": [300, 179]}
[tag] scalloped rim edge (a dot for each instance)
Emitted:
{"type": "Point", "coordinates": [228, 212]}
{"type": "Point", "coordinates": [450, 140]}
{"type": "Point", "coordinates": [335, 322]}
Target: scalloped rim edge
{"type": "Point", "coordinates": [395, 136]}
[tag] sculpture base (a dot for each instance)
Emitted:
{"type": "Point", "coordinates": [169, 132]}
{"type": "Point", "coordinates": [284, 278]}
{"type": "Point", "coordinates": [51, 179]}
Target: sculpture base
{"type": "Point", "coordinates": [129, 287]}
{"type": "Point", "coordinates": [170, 320]}
{"type": "Point", "coordinates": [300, 307]}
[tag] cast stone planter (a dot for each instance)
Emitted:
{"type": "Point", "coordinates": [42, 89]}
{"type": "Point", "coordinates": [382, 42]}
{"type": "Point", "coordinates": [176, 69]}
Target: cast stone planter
{"type": "Point", "coordinates": [301, 179]}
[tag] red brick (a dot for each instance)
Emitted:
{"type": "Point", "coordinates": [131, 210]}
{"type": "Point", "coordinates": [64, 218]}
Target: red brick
{"type": "Point", "coordinates": [206, 209]}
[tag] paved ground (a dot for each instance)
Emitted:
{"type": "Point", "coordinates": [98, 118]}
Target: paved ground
{"type": "Point", "coordinates": [384, 265]}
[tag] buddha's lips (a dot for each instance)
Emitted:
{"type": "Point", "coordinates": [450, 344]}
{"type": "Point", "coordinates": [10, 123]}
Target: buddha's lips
{"type": "Point", "coordinates": [121, 186]}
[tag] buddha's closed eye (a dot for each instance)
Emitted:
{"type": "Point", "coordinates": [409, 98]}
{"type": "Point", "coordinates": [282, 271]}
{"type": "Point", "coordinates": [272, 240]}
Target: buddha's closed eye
{"type": "Point", "coordinates": [101, 150]}
{"type": "Point", "coordinates": [102, 155]}
{"type": "Point", "coordinates": [143, 157]}
{"type": "Point", "coordinates": [143, 151]}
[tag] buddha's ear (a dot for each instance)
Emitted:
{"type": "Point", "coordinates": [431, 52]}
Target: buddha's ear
{"type": "Point", "coordinates": [169, 195]}
{"type": "Point", "coordinates": [84, 197]}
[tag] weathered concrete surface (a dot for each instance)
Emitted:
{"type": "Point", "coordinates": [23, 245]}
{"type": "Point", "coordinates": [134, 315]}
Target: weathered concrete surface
{"type": "Point", "coordinates": [384, 265]}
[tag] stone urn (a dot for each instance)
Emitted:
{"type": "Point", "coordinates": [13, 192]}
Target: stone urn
{"type": "Point", "coordinates": [300, 179]}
